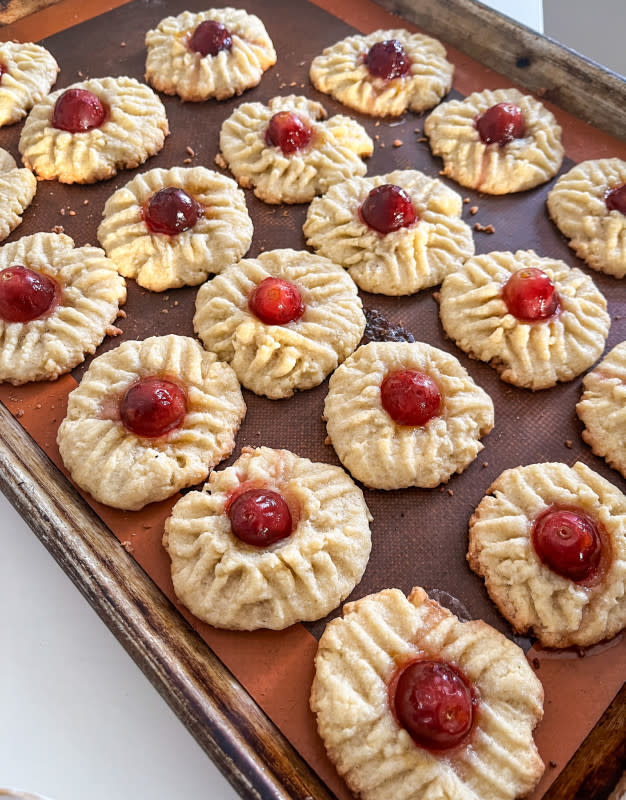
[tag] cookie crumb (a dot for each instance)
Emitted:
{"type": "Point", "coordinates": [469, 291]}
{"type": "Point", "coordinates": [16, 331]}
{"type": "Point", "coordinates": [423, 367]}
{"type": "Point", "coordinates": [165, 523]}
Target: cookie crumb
{"type": "Point", "coordinates": [327, 440]}
{"type": "Point", "coordinates": [552, 764]}
{"type": "Point", "coordinates": [38, 406]}
{"type": "Point", "coordinates": [122, 44]}
{"type": "Point", "coordinates": [164, 311]}
{"type": "Point", "coordinates": [85, 202]}
{"type": "Point", "coordinates": [128, 546]}
{"type": "Point", "coordinates": [485, 464]}
{"type": "Point", "coordinates": [58, 229]}
{"type": "Point", "coordinates": [19, 414]}
{"type": "Point", "coordinates": [121, 313]}
{"type": "Point", "coordinates": [72, 213]}
{"type": "Point", "coordinates": [442, 172]}
{"type": "Point", "coordinates": [377, 123]}
{"type": "Point", "coordinates": [113, 330]}
{"type": "Point", "coordinates": [186, 161]}
{"type": "Point", "coordinates": [484, 228]}
{"type": "Point", "coordinates": [220, 161]}
{"type": "Point", "coordinates": [293, 83]}
{"type": "Point", "coordinates": [398, 142]}
{"type": "Point", "coordinates": [536, 663]}
{"type": "Point", "coordinates": [422, 139]}
{"type": "Point", "coordinates": [568, 443]}
{"type": "Point", "coordinates": [466, 200]}
{"type": "Point", "coordinates": [382, 144]}
{"type": "Point", "coordinates": [451, 492]}
{"type": "Point", "coordinates": [376, 136]}
{"type": "Point", "coordinates": [474, 210]}
{"type": "Point", "coordinates": [190, 151]}
{"type": "Point", "coordinates": [416, 130]}
{"type": "Point", "coordinates": [62, 212]}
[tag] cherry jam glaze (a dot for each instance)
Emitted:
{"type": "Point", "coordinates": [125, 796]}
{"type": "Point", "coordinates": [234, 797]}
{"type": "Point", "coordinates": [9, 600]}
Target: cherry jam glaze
{"type": "Point", "coordinates": [171, 211]}
{"type": "Point", "coordinates": [530, 295]}
{"type": "Point", "coordinates": [276, 302]}
{"type": "Point", "coordinates": [153, 406]}
{"type": "Point", "coordinates": [209, 38]}
{"type": "Point", "coordinates": [410, 397]}
{"type": "Point", "coordinates": [259, 516]}
{"type": "Point", "coordinates": [500, 124]}
{"type": "Point", "coordinates": [26, 295]}
{"type": "Point", "coordinates": [387, 208]}
{"type": "Point", "coordinates": [387, 60]}
{"type": "Point", "coordinates": [615, 199]}
{"type": "Point", "coordinates": [289, 131]}
{"type": "Point", "coordinates": [78, 111]}
{"type": "Point", "coordinates": [434, 702]}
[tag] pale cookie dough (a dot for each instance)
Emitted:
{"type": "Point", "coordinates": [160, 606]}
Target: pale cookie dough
{"type": "Point", "coordinates": [356, 660]}
{"type": "Point", "coordinates": [528, 593]}
{"type": "Point", "coordinates": [134, 129]}
{"type": "Point", "coordinates": [124, 470]}
{"type": "Point", "coordinates": [602, 408]}
{"type": "Point", "coordinates": [275, 360]}
{"type": "Point", "coordinates": [334, 154]}
{"type": "Point", "coordinates": [385, 455]}
{"type": "Point", "coordinates": [28, 72]}
{"type": "Point", "coordinates": [91, 292]}
{"type": "Point", "coordinates": [493, 168]}
{"type": "Point", "coordinates": [532, 355]}
{"type": "Point", "coordinates": [17, 189]}
{"type": "Point", "coordinates": [172, 68]}
{"type": "Point", "coordinates": [157, 261]}
{"type": "Point", "coordinates": [576, 204]}
{"type": "Point", "coordinates": [231, 584]}
{"type": "Point", "coordinates": [402, 261]}
{"type": "Point", "coordinates": [340, 71]}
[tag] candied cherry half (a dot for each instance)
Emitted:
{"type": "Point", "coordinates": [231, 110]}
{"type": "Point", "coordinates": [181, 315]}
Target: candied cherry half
{"type": "Point", "coordinates": [153, 406]}
{"type": "Point", "coordinates": [500, 124]}
{"type": "Point", "coordinates": [387, 60]}
{"type": "Point", "coordinates": [25, 294]}
{"type": "Point", "coordinates": [387, 208]}
{"type": "Point", "coordinates": [434, 702]}
{"type": "Point", "coordinates": [209, 38]}
{"type": "Point", "coordinates": [276, 302]}
{"type": "Point", "coordinates": [260, 517]}
{"type": "Point", "coordinates": [410, 397]}
{"type": "Point", "coordinates": [530, 295]}
{"type": "Point", "coordinates": [78, 111]}
{"type": "Point", "coordinates": [171, 211]}
{"type": "Point", "coordinates": [568, 541]}
{"type": "Point", "coordinates": [615, 199]}
{"type": "Point", "coordinates": [289, 131]}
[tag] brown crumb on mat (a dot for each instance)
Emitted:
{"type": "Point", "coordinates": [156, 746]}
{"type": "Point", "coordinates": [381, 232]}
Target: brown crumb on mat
{"type": "Point", "coordinates": [536, 663]}
{"type": "Point", "coordinates": [190, 151]}
{"type": "Point", "coordinates": [220, 161]}
{"type": "Point", "coordinates": [58, 229]}
{"type": "Point", "coordinates": [422, 139]}
{"type": "Point", "coordinates": [466, 200]}
{"type": "Point", "coordinates": [113, 330]}
{"type": "Point", "coordinates": [121, 313]}
{"type": "Point", "coordinates": [474, 210]}
{"type": "Point", "coordinates": [568, 443]}
{"type": "Point", "coordinates": [484, 228]}
{"type": "Point", "coordinates": [398, 142]}
{"type": "Point", "coordinates": [451, 492]}
{"type": "Point", "coordinates": [128, 546]}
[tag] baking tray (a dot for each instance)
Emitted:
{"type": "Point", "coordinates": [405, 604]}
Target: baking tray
{"type": "Point", "coordinates": [227, 721]}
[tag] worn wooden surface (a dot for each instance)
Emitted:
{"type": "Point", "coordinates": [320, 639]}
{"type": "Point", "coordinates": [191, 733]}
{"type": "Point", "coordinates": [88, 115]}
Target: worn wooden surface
{"type": "Point", "coordinates": [12, 10]}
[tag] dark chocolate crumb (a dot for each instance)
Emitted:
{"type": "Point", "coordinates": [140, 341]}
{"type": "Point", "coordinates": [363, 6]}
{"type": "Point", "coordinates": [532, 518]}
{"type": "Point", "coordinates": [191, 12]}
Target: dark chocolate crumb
{"type": "Point", "coordinates": [379, 329]}
{"type": "Point", "coordinates": [536, 663]}
{"type": "Point", "coordinates": [552, 763]}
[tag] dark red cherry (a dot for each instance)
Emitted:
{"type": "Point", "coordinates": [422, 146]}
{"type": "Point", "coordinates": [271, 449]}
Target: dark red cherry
{"type": "Point", "coordinates": [501, 124]}
{"type": "Point", "coordinates": [3, 70]}
{"type": "Point", "coordinates": [260, 517]}
{"type": "Point", "coordinates": [77, 111]}
{"type": "Point", "coordinates": [25, 294]}
{"type": "Point", "coordinates": [276, 302]}
{"type": "Point", "coordinates": [288, 131]}
{"type": "Point", "coordinates": [387, 60]}
{"type": "Point", "coordinates": [530, 295]}
{"type": "Point", "coordinates": [210, 37]}
{"type": "Point", "coordinates": [615, 199]}
{"type": "Point", "coordinates": [568, 541]}
{"type": "Point", "coordinates": [388, 208]}
{"type": "Point", "coordinates": [171, 211]}
{"type": "Point", "coordinates": [153, 406]}
{"type": "Point", "coordinates": [434, 703]}
{"type": "Point", "coordinates": [410, 397]}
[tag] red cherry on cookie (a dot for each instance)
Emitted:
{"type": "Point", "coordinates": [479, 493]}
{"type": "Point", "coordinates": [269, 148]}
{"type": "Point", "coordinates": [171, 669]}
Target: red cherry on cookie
{"type": "Point", "coordinates": [387, 208]}
{"type": "Point", "coordinates": [276, 302]}
{"type": "Point", "coordinates": [77, 111]}
{"type": "Point", "coordinates": [26, 295]}
{"type": "Point", "coordinates": [615, 199]}
{"type": "Point", "coordinates": [434, 703]}
{"type": "Point", "coordinates": [568, 542]}
{"type": "Point", "coordinates": [530, 295]}
{"type": "Point", "coordinates": [153, 406]}
{"type": "Point", "coordinates": [288, 131]}
{"type": "Point", "coordinates": [3, 69]}
{"type": "Point", "coordinates": [410, 397]}
{"type": "Point", "coordinates": [387, 60]}
{"type": "Point", "coordinates": [260, 517]}
{"type": "Point", "coordinates": [171, 211]}
{"type": "Point", "coordinates": [209, 38]}
{"type": "Point", "coordinates": [500, 124]}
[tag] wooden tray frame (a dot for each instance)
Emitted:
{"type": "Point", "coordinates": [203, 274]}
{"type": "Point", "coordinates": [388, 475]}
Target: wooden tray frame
{"type": "Point", "coordinates": [245, 745]}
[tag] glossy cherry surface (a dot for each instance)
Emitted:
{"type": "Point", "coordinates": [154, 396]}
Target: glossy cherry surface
{"type": "Point", "coordinates": [615, 199]}
{"type": "Point", "coordinates": [500, 124]}
{"type": "Point", "coordinates": [209, 38]}
{"type": "Point", "coordinates": [530, 295]}
{"type": "Point", "coordinates": [78, 111]}
{"type": "Point", "coordinates": [410, 397]}
{"type": "Point", "coordinates": [387, 208]}
{"type": "Point", "coordinates": [153, 406]}
{"type": "Point", "coordinates": [289, 131]}
{"type": "Point", "coordinates": [171, 211]}
{"type": "Point", "coordinates": [25, 295]}
{"type": "Point", "coordinates": [568, 541]}
{"type": "Point", "coordinates": [260, 517]}
{"type": "Point", "coordinates": [387, 60]}
{"type": "Point", "coordinates": [276, 302]}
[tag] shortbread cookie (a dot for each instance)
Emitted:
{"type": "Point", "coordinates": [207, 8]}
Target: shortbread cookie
{"type": "Point", "coordinates": [384, 73]}
{"type": "Point", "coordinates": [17, 189]}
{"type": "Point", "coordinates": [27, 72]}
{"type": "Point", "coordinates": [550, 542]}
{"type": "Point", "coordinates": [57, 303]}
{"type": "Point", "coordinates": [283, 320]}
{"type": "Point", "coordinates": [86, 132]}
{"type": "Point", "coordinates": [602, 408]}
{"type": "Point", "coordinates": [509, 149]}
{"type": "Point", "coordinates": [401, 414]}
{"type": "Point", "coordinates": [395, 233]}
{"type": "Point", "coordinates": [288, 152]}
{"type": "Point", "coordinates": [215, 53]}
{"type": "Point", "coordinates": [148, 419]}
{"type": "Point", "coordinates": [413, 703]}
{"type": "Point", "coordinates": [588, 205]}
{"type": "Point", "coordinates": [535, 320]}
{"type": "Point", "coordinates": [270, 541]}
{"type": "Point", "coordinates": [172, 227]}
